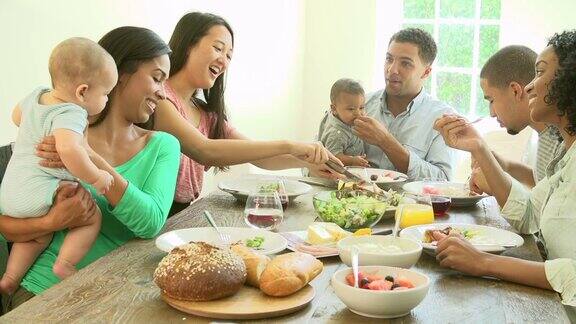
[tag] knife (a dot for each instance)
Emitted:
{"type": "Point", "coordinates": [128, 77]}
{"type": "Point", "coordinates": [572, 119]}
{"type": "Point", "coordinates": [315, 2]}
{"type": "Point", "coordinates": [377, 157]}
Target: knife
{"type": "Point", "coordinates": [342, 170]}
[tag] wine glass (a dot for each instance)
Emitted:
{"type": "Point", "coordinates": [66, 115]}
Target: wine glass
{"type": "Point", "coordinates": [264, 210]}
{"type": "Point", "coordinates": [282, 193]}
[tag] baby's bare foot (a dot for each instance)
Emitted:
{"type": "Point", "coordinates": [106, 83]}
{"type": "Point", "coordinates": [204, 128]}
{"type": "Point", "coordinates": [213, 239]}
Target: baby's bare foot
{"type": "Point", "coordinates": [8, 284]}
{"type": "Point", "coordinates": [63, 269]}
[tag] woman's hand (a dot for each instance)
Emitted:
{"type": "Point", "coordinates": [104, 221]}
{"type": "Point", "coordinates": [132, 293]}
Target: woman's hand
{"type": "Point", "coordinates": [73, 206]}
{"type": "Point", "coordinates": [47, 151]}
{"type": "Point", "coordinates": [313, 153]}
{"type": "Point", "coordinates": [458, 254]}
{"type": "Point", "coordinates": [323, 171]}
{"type": "Point", "coordinates": [458, 133]}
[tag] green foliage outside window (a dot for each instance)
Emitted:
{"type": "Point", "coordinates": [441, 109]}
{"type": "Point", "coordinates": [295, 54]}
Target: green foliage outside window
{"type": "Point", "coordinates": [419, 9]}
{"type": "Point", "coordinates": [454, 88]}
{"type": "Point", "coordinates": [489, 36]}
{"type": "Point", "coordinates": [457, 8]}
{"type": "Point", "coordinates": [490, 9]}
{"type": "Point", "coordinates": [455, 45]}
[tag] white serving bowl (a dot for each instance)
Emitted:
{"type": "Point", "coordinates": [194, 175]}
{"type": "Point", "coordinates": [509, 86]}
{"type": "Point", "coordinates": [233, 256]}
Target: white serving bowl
{"type": "Point", "coordinates": [411, 251]}
{"type": "Point", "coordinates": [381, 304]}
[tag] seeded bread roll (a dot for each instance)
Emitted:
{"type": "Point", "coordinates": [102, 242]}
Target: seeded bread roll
{"type": "Point", "coordinates": [198, 271]}
{"type": "Point", "coordinates": [288, 273]}
{"type": "Point", "coordinates": [255, 263]}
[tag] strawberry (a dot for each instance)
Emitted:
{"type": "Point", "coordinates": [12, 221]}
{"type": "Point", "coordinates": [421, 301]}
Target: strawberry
{"type": "Point", "coordinates": [380, 285]}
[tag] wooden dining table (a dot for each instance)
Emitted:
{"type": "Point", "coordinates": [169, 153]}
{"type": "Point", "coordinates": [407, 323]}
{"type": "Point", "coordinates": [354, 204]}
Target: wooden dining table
{"type": "Point", "coordinates": [119, 287]}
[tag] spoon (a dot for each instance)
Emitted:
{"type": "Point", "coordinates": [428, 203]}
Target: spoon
{"type": "Point", "coordinates": [354, 255]}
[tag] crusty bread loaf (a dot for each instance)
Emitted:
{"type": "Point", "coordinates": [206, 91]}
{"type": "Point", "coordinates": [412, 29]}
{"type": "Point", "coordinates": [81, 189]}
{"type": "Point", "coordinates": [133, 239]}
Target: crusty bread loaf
{"type": "Point", "coordinates": [288, 273]}
{"type": "Point", "coordinates": [255, 263]}
{"type": "Point", "coordinates": [198, 271]}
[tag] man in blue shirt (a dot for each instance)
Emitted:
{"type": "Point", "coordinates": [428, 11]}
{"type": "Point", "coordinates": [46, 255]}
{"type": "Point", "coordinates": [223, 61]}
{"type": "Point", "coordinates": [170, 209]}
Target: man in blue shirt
{"type": "Point", "coordinates": [398, 127]}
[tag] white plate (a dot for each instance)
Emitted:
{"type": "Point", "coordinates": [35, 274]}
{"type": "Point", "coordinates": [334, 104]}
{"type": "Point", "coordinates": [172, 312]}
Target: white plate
{"type": "Point", "coordinates": [417, 186]}
{"type": "Point", "coordinates": [273, 242]}
{"type": "Point", "coordinates": [397, 178]}
{"type": "Point", "coordinates": [488, 239]}
{"type": "Point", "coordinates": [241, 188]}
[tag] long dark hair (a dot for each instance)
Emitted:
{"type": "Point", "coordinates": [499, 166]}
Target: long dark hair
{"type": "Point", "coordinates": [189, 30]}
{"type": "Point", "coordinates": [130, 46]}
{"type": "Point", "coordinates": [562, 89]}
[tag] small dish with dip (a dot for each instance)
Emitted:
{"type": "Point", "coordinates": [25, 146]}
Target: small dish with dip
{"type": "Point", "coordinates": [381, 250]}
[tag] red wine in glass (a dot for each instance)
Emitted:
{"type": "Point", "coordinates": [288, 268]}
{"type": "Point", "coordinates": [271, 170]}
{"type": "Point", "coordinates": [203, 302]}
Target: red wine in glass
{"type": "Point", "coordinates": [440, 205]}
{"type": "Point", "coordinates": [264, 218]}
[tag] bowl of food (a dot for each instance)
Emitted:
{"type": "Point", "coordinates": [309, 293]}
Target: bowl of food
{"type": "Point", "coordinates": [350, 211]}
{"type": "Point", "coordinates": [381, 250]}
{"type": "Point", "coordinates": [383, 292]}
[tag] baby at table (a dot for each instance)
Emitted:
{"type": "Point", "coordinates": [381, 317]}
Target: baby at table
{"type": "Point", "coordinates": [347, 103]}
{"type": "Point", "coordinates": [82, 75]}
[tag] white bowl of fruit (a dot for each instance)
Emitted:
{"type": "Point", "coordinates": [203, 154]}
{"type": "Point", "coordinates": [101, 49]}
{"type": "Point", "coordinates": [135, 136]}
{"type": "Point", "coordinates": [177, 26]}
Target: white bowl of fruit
{"type": "Point", "coordinates": [383, 292]}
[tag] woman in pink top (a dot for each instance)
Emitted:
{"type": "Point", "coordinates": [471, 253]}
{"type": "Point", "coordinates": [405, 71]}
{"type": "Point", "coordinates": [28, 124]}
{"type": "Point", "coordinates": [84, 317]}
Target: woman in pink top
{"type": "Point", "coordinates": [202, 46]}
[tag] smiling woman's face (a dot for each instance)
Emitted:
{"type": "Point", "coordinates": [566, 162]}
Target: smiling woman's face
{"type": "Point", "coordinates": [141, 90]}
{"type": "Point", "coordinates": [209, 58]}
{"type": "Point", "coordinates": [541, 108]}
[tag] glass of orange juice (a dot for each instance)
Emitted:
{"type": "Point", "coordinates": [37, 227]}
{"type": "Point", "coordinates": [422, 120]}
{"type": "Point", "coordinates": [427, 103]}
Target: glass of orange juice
{"type": "Point", "coordinates": [416, 214]}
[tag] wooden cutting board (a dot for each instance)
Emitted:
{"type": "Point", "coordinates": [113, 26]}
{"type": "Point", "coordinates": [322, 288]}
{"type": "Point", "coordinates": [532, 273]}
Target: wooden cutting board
{"type": "Point", "coordinates": [248, 303]}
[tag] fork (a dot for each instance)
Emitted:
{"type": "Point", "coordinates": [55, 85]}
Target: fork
{"type": "Point", "coordinates": [224, 237]}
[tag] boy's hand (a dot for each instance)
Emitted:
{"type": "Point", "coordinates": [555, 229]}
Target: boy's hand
{"type": "Point", "coordinates": [360, 160]}
{"type": "Point", "coordinates": [104, 182]}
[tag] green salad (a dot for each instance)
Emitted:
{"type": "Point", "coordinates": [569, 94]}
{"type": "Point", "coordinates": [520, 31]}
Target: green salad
{"type": "Point", "coordinates": [354, 211]}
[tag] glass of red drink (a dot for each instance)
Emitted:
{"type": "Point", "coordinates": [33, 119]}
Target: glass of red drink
{"type": "Point", "coordinates": [264, 210]}
{"type": "Point", "coordinates": [440, 205]}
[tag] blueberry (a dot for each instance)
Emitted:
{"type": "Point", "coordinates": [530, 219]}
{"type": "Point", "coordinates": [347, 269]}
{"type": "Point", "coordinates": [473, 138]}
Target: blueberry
{"type": "Point", "coordinates": [373, 177]}
{"type": "Point", "coordinates": [364, 282]}
{"type": "Point", "coordinates": [389, 278]}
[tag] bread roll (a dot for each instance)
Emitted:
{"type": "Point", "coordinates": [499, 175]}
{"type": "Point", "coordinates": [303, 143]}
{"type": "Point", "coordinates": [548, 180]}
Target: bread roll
{"type": "Point", "coordinates": [198, 271]}
{"type": "Point", "coordinates": [254, 262]}
{"type": "Point", "coordinates": [288, 273]}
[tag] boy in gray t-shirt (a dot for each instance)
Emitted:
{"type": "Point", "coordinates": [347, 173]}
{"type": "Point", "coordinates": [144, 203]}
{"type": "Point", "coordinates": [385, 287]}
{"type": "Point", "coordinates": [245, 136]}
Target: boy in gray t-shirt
{"type": "Point", "coordinates": [347, 103]}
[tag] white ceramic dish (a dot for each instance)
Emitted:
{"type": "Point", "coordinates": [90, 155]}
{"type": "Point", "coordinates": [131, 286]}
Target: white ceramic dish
{"type": "Point", "coordinates": [381, 304]}
{"type": "Point", "coordinates": [242, 187]}
{"type": "Point", "coordinates": [488, 239]}
{"type": "Point", "coordinates": [411, 251]}
{"type": "Point", "coordinates": [273, 242]}
{"type": "Point", "coordinates": [386, 178]}
{"type": "Point", "coordinates": [416, 188]}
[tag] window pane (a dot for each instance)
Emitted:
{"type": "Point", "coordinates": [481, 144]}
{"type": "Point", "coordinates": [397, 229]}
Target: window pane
{"type": "Point", "coordinates": [455, 45]}
{"type": "Point", "coordinates": [427, 27]}
{"type": "Point", "coordinates": [418, 8]}
{"type": "Point", "coordinates": [457, 8]}
{"type": "Point", "coordinates": [490, 9]}
{"type": "Point", "coordinates": [482, 108]}
{"type": "Point", "coordinates": [454, 88]}
{"type": "Point", "coordinates": [489, 40]}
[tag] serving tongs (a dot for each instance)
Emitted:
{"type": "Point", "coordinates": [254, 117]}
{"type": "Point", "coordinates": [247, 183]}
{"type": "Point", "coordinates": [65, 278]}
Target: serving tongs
{"type": "Point", "coordinates": [342, 170]}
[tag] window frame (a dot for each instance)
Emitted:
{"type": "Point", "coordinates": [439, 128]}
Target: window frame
{"type": "Point", "coordinates": [474, 71]}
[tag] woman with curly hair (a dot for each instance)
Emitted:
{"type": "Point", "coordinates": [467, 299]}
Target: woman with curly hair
{"type": "Point", "coordinates": [549, 209]}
